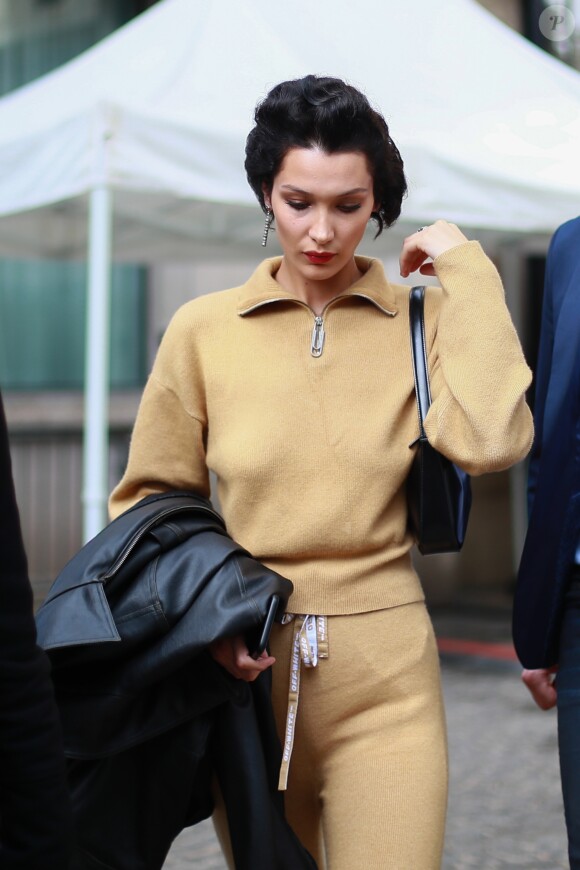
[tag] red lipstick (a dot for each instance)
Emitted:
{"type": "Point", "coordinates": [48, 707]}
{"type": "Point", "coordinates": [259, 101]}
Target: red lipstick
{"type": "Point", "coordinates": [318, 258]}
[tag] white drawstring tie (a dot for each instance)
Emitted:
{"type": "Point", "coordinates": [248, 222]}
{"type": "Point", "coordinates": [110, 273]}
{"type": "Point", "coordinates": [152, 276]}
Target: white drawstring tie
{"type": "Point", "coordinates": [310, 644]}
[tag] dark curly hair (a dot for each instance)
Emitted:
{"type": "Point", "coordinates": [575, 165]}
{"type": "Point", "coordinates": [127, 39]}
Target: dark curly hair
{"type": "Point", "coordinates": [325, 113]}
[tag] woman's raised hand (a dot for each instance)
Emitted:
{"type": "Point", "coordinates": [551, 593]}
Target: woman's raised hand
{"type": "Point", "coordinates": [426, 244]}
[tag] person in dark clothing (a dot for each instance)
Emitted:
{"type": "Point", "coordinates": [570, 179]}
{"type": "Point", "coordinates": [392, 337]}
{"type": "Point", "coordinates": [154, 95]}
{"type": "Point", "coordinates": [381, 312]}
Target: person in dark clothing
{"type": "Point", "coordinates": [35, 816]}
{"type": "Point", "coordinates": [546, 621]}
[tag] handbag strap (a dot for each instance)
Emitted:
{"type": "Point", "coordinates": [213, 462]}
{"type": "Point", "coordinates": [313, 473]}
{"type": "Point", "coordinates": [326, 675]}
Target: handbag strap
{"type": "Point", "coordinates": [419, 353]}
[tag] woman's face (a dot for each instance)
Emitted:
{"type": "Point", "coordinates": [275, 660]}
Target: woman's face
{"type": "Point", "coordinates": [322, 203]}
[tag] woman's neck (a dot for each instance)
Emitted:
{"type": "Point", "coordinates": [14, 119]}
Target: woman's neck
{"type": "Point", "coordinates": [317, 294]}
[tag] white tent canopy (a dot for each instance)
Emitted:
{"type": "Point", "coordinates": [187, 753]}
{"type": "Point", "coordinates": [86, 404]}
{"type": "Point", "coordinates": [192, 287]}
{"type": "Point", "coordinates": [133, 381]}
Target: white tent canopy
{"type": "Point", "coordinates": [149, 127]}
{"type": "Point", "coordinates": [488, 125]}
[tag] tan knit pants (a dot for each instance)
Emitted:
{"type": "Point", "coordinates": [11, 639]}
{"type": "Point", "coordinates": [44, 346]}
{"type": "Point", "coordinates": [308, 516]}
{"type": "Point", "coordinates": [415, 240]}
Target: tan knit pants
{"type": "Point", "coordinates": [368, 773]}
{"type": "Point", "coordinates": [367, 788]}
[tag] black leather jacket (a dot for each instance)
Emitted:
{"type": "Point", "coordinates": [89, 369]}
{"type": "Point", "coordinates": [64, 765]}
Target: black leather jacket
{"type": "Point", "coordinates": [147, 715]}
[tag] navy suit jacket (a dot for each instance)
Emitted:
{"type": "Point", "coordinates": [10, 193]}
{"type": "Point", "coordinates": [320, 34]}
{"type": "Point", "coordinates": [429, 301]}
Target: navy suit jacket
{"type": "Point", "coordinates": [554, 476]}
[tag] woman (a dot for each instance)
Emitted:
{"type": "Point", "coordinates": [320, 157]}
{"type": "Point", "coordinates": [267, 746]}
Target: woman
{"type": "Point", "coordinates": [296, 389]}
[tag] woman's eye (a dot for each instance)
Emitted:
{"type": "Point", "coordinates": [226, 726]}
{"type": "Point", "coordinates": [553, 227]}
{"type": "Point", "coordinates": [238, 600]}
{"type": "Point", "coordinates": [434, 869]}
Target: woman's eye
{"type": "Point", "coordinates": [300, 205]}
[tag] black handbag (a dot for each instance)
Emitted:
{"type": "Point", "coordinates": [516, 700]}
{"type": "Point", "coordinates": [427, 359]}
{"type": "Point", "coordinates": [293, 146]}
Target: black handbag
{"type": "Point", "coordinates": [438, 492]}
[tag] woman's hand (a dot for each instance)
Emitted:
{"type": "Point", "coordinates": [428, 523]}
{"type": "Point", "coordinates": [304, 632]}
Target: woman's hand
{"type": "Point", "coordinates": [428, 243]}
{"type": "Point", "coordinates": [540, 682]}
{"type": "Point", "coordinates": [233, 654]}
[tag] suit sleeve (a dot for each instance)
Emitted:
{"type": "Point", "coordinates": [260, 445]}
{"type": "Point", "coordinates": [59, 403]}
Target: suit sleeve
{"type": "Point", "coordinates": [35, 816]}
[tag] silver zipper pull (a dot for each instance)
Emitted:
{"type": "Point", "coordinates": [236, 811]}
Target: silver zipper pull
{"type": "Point", "coordinates": [317, 343]}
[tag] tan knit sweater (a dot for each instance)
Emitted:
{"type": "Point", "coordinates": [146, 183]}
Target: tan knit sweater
{"type": "Point", "coordinates": [311, 453]}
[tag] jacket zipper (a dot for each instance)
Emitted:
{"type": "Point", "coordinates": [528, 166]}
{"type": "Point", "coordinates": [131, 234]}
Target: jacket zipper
{"type": "Point", "coordinates": [154, 521]}
{"type": "Point", "coordinates": [318, 336]}
{"type": "Point", "coordinates": [318, 333]}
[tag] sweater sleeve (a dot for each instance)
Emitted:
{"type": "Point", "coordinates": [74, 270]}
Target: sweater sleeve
{"type": "Point", "coordinates": [479, 417]}
{"type": "Point", "coordinates": [167, 449]}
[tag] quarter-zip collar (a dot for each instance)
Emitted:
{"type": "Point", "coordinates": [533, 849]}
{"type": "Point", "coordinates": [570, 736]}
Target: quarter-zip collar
{"type": "Point", "coordinates": [262, 288]}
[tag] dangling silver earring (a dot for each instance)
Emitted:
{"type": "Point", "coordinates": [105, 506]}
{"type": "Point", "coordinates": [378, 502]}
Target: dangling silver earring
{"type": "Point", "coordinates": [267, 226]}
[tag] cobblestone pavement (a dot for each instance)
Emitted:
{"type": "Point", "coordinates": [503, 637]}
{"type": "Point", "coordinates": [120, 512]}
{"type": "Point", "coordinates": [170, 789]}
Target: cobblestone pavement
{"type": "Point", "coordinates": [505, 808]}
{"type": "Point", "coordinates": [196, 849]}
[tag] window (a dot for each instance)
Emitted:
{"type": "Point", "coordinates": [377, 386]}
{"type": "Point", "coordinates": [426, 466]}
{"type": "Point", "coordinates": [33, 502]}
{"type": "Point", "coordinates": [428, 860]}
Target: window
{"type": "Point", "coordinates": [42, 325]}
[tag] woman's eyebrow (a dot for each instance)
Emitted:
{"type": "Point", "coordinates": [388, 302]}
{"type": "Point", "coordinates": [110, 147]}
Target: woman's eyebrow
{"type": "Point", "coordinates": [308, 193]}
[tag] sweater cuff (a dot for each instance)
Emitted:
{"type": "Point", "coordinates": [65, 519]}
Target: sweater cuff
{"type": "Point", "coordinates": [466, 264]}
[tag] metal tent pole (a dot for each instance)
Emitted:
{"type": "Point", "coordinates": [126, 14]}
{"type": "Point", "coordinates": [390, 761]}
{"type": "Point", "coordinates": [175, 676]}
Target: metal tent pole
{"type": "Point", "coordinates": [97, 353]}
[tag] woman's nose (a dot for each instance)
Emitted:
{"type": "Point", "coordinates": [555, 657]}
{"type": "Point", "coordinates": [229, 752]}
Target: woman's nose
{"type": "Point", "coordinates": [321, 230]}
